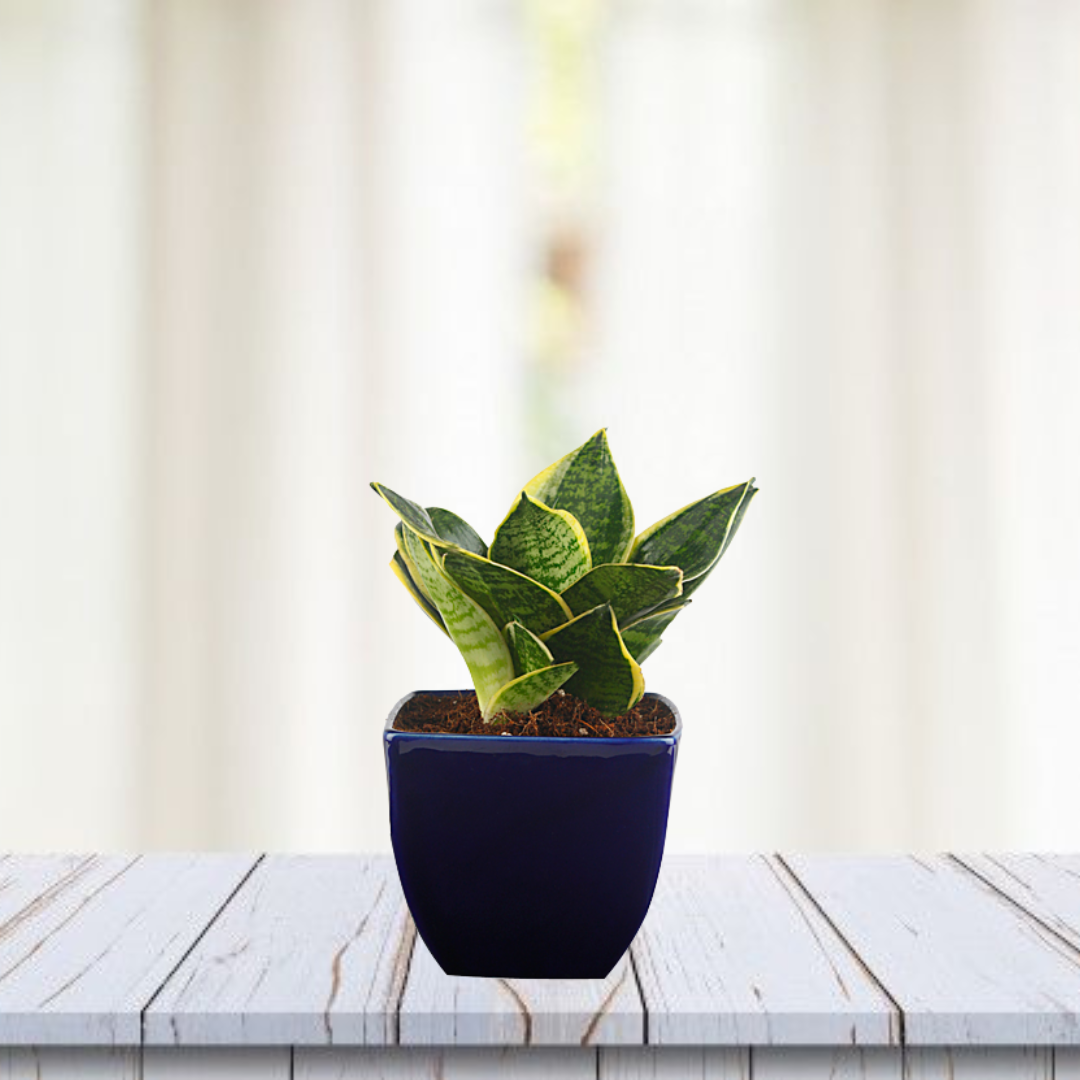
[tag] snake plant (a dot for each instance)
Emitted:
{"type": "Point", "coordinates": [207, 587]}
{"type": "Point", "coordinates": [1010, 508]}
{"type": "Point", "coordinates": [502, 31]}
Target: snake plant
{"type": "Point", "coordinates": [566, 596]}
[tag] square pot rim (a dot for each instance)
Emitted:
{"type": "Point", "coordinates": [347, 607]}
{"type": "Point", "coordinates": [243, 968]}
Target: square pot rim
{"type": "Point", "coordinates": [481, 742]}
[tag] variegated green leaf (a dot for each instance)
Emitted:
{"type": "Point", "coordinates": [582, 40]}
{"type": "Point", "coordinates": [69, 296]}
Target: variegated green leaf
{"type": "Point", "coordinates": [414, 515]}
{"type": "Point", "coordinates": [506, 595]}
{"type": "Point", "coordinates": [401, 572]}
{"type": "Point", "coordinates": [586, 483]}
{"type": "Point", "coordinates": [676, 605]}
{"type": "Point", "coordinates": [545, 544]}
{"type": "Point", "coordinates": [456, 530]}
{"type": "Point", "coordinates": [406, 558]}
{"type": "Point", "coordinates": [628, 587]}
{"type": "Point", "coordinates": [528, 691]}
{"type": "Point", "coordinates": [608, 677]}
{"type": "Point", "coordinates": [470, 627]}
{"type": "Point", "coordinates": [528, 651]}
{"type": "Point", "coordinates": [645, 651]}
{"type": "Point", "coordinates": [735, 523]}
{"type": "Point", "coordinates": [643, 635]}
{"type": "Point", "coordinates": [692, 538]}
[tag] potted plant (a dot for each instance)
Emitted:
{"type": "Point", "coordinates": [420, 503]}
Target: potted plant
{"type": "Point", "coordinates": [536, 855]}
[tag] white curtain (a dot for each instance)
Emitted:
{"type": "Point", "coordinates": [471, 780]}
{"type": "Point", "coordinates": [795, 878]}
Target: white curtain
{"type": "Point", "coordinates": [842, 252]}
{"type": "Point", "coordinates": [253, 256]}
{"type": "Point", "coordinates": [256, 254]}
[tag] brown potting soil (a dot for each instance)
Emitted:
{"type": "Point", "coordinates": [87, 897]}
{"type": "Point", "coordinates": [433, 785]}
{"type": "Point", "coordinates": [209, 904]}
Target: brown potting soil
{"type": "Point", "coordinates": [562, 715]}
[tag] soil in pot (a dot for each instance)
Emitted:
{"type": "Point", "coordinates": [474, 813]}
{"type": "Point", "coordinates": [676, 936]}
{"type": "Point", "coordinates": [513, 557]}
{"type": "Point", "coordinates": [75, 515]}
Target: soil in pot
{"type": "Point", "coordinates": [561, 716]}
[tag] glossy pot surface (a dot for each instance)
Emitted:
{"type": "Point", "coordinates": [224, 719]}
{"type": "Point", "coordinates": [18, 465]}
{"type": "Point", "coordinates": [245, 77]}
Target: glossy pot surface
{"type": "Point", "coordinates": [525, 857]}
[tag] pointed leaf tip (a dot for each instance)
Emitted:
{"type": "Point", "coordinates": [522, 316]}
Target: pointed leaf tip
{"type": "Point", "coordinates": [529, 691]}
{"type": "Point", "coordinates": [608, 677]}
{"type": "Point", "coordinates": [456, 531]}
{"type": "Point", "coordinates": [694, 537]}
{"type": "Point", "coordinates": [412, 514]}
{"type": "Point", "coordinates": [528, 651]}
{"type": "Point", "coordinates": [586, 483]}
{"type": "Point", "coordinates": [545, 544]}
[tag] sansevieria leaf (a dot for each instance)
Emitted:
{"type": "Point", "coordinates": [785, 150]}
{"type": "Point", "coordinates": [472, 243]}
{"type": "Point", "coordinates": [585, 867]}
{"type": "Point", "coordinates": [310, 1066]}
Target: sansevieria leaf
{"type": "Point", "coordinates": [543, 543]}
{"type": "Point", "coordinates": [528, 651]}
{"type": "Point", "coordinates": [642, 636]}
{"type": "Point", "coordinates": [608, 677]}
{"type": "Point", "coordinates": [470, 627]}
{"type": "Point", "coordinates": [528, 691]}
{"type": "Point", "coordinates": [440, 527]}
{"type": "Point", "coordinates": [400, 531]}
{"type": "Point", "coordinates": [736, 521]}
{"type": "Point", "coordinates": [402, 573]}
{"type": "Point", "coordinates": [406, 558]}
{"type": "Point", "coordinates": [692, 538]}
{"type": "Point", "coordinates": [413, 514]}
{"type": "Point", "coordinates": [628, 587]}
{"type": "Point", "coordinates": [586, 483]}
{"type": "Point", "coordinates": [566, 595]}
{"type": "Point", "coordinates": [506, 595]}
{"type": "Point", "coordinates": [456, 530]}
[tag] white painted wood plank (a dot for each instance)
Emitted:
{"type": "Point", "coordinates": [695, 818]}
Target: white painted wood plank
{"type": "Point", "coordinates": [68, 1063]}
{"type": "Point", "coordinates": [673, 1063]}
{"type": "Point", "coordinates": [218, 1063]}
{"type": "Point", "coordinates": [26, 879]}
{"type": "Point", "coordinates": [1067, 1064]}
{"type": "Point", "coordinates": [964, 965]}
{"type": "Point", "coordinates": [311, 951]}
{"type": "Point", "coordinates": [1046, 885]}
{"type": "Point", "coordinates": [733, 953]}
{"type": "Point", "coordinates": [454, 1010]}
{"type": "Point", "coordinates": [458, 1063]}
{"type": "Point", "coordinates": [79, 964]}
{"type": "Point", "coordinates": [615, 1063]}
{"type": "Point", "coordinates": [821, 1063]}
{"type": "Point", "coordinates": [979, 1063]}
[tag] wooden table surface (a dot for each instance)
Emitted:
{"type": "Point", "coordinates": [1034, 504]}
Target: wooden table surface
{"type": "Point", "coordinates": [285, 966]}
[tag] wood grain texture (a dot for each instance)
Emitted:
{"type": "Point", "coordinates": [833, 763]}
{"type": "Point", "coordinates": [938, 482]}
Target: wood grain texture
{"type": "Point", "coordinates": [979, 1063]}
{"type": "Point", "coordinates": [460, 1063]}
{"type": "Point", "coordinates": [28, 882]}
{"type": "Point", "coordinates": [219, 1063]}
{"type": "Point", "coordinates": [311, 951]}
{"type": "Point", "coordinates": [673, 1063]}
{"type": "Point", "coordinates": [69, 1063]}
{"type": "Point", "coordinates": [733, 953]}
{"type": "Point", "coordinates": [451, 1010]}
{"type": "Point", "coordinates": [964, 965]}
{"type": "Point", "coordinates": [79, 963]}
{"type": "Point", "coordinates": [824, 1063]}
{"type": "Point", "coordinates": [1048, 886]}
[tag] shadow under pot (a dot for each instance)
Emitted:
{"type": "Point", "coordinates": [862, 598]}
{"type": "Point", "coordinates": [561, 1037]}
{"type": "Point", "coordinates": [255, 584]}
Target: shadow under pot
{"type": "Point", "coordinates": [528, 857]}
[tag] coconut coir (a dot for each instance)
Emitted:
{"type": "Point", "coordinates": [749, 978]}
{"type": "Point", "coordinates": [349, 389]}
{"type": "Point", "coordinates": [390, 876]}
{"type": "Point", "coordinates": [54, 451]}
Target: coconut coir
{"type": "Point", "coordinates": [562, 715]}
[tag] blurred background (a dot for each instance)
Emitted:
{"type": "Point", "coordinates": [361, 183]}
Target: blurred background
{"type": "Point", "coordinates": [256, 253]}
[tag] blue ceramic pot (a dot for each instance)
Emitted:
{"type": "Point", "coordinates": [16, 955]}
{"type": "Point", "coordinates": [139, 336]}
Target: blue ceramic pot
{"type": "Point", "coordinates": [525, 857]}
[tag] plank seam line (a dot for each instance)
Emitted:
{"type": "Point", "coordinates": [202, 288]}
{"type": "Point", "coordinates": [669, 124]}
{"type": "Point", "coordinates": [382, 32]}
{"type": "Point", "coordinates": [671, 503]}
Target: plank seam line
{"type": "Point", "coordinates": [1030, 916]}
{"type": "Point", "coordinates": [641, 998]}
{"type": "Point", "coordinates": [191, 948]}
{"type": "Point", "coordinates": [801, 886]}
